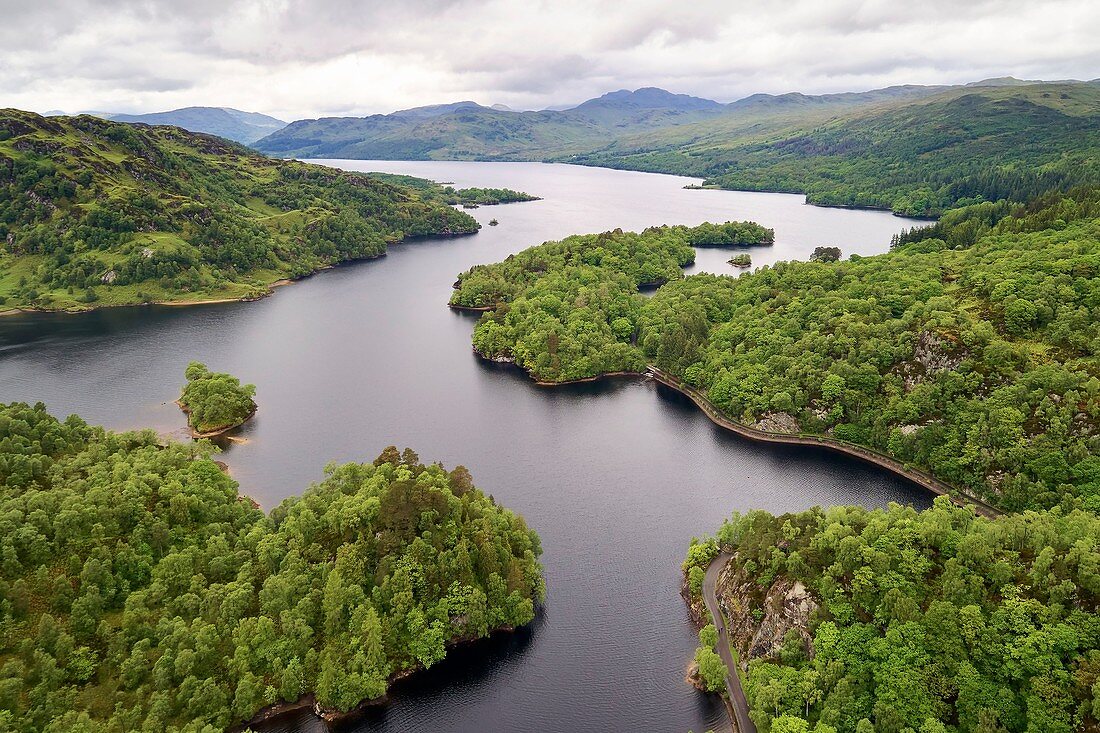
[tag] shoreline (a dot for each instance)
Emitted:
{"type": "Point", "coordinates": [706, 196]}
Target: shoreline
{"type": "Point", "coordinates": [868, 455]}
{"type": "Point", "coordinates": [270, 288]}
{"type": "Point", "coordinates": [308, 700]}
{"type": "Point", "coordinates": [196, 435]}
{"type": "Point", "coordinates": [916, 476]}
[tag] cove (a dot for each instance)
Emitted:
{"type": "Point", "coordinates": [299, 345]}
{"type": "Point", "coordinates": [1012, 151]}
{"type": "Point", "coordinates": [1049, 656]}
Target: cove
{"type": "Point", "coordinates": [616, 475]}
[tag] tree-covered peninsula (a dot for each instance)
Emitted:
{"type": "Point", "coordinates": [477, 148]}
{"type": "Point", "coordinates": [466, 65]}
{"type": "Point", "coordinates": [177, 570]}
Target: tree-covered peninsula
{"type": "Point", "coordinates": [969, 350]}
{"type": "Point", "coordinates": [215, 401]}
{"type": "Point", "coordinates": [568, 310]}
{"type": "Point", "coordinates": [140, 591]}
{"type": "Point", "coordinates": [848, 620]}
{"type": "Point", "coordinates": [94, 213]}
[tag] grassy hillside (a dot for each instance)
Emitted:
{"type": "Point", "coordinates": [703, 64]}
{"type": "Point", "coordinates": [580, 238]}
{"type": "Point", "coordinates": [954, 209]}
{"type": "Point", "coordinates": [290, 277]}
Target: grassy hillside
{"type": "Point", "coordinates": [915, 156]}
{"type": "Point", "coordinates": [94, 212]}
{"type": "Point", "coordinates": [969, 351]}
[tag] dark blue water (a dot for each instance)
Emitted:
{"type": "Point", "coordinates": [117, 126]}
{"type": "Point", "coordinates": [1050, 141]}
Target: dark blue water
{"type": "Point", "coordinates": [616, 476]}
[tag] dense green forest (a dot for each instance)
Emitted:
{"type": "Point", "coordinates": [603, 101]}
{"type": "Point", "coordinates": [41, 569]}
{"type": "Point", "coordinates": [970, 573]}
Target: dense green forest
{"type": "Point", "coordinates": [215, 401]}
{"type": "Point", "coordinates": [95, 212]}
{"type": "Point", "coordinates": [969, 350]}
{"type": "Point", "coordinates": [915, 156]}
{"type": "Point", "coordinates": [568, 310]}
{"type": "Point", "coordinates": [927, 622]}
{"type": "Point", "coordinates": [140, 591]}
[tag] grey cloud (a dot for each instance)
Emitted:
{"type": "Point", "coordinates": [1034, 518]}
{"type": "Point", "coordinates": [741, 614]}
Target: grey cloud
{"type": "Point", "coordinates": [311, 57]}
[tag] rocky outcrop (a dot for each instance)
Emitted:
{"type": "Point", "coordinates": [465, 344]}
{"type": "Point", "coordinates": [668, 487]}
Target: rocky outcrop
{"type": "Point", "coordinates": [932, 354]}
{"type": "Point", "coordinates": [778, 422]}
{"type": "Point", "coordinates": [759, 618]}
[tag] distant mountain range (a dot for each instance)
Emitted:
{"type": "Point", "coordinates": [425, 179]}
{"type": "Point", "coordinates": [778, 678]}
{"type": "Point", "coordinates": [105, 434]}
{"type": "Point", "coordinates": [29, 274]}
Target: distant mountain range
{"type": "Point", "coordinates": [232, 124]}
{"type": "Point", "coordinates": [914, 149]}
{"type": "Point", "coordinates": [470, 131]}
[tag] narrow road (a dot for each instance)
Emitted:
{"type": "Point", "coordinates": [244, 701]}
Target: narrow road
{"type": "Point", "coordinates": [742, 721]}
{"type": "Point", "coordinates": [917, 476]}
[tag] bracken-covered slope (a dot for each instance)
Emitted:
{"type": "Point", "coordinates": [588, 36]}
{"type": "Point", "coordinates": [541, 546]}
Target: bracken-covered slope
{"type": "Point", "coordinates": [94, 212]}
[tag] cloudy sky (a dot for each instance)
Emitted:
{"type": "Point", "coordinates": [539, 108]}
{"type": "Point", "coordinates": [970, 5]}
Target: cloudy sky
{"type": "Point", "coordinates": [308, 58]}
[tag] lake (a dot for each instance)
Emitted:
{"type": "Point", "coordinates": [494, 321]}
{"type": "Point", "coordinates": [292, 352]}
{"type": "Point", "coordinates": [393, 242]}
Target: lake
{"type": "Point", "coordinates": [616, 476]}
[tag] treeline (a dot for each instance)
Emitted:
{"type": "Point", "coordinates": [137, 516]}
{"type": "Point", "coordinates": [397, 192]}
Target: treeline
{"type": "Point", "coordinates": [92, 210]}
{"type": "Point", "coordinates": [973, 361]}
{"type": "Point", "coordinates": [930, 621]}
{"type": "Point", "coordinates": [140, 591]}
{"type": "Point", "coordinates": [570, 309]}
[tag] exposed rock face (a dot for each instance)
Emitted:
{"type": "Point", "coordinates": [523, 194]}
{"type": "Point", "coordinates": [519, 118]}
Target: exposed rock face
{"type": "Point", "coordinates": [932, 354]}
{"type": "Point", "coordinates": [778, 422]}
{"type": "Point", "coordinates": [786, 605]}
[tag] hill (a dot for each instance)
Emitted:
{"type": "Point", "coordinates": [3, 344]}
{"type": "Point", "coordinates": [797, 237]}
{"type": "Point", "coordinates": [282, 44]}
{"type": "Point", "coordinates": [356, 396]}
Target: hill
{"type": "Point", "coordinates": [232, 124]}
{"type": "Point", "coordinates": [912, 152]}
{"type": "Point", "coordinates": [100, 212]}
{"type": "Point", "coordinates": [468, 131]}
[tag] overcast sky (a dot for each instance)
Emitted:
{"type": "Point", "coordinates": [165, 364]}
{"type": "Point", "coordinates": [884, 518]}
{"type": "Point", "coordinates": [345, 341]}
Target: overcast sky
{"type": "Point", "coordinates": [308, 58]}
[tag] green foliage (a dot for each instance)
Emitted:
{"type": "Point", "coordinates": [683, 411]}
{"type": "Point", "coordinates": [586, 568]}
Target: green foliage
{"type": "Point", "coordinates": [712, 670]}
{"type": "Point", "coordinates": [214, 400]}
{"type": "Point", "coordinates": [92, 210]}
{"type": "Point", "coordinates": [932, 618]}
{"type": "Point", "coordinates": [484, 196]}
{"type": "Point", "coordinates": [568, 310]}
{"type": "Point", "coordinates": [917, 155]}
{"type": "Point", "coordinates": [975, 362]}
{"type": "Point", "coordinates": [140, 591]}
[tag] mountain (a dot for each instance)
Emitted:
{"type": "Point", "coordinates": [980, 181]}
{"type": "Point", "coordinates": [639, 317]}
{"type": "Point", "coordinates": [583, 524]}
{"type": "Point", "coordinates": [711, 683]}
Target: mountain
{"type": "Point", "coordinates": [648, 98]}
{"type": "Point", "coordinates": [94, 211]}
{"type": "Point", "coordinates": [914, 150]}
{"type": "Point", "coordinates": [469, 131]}
{"type": "Point", "coordinates": [232, 124]}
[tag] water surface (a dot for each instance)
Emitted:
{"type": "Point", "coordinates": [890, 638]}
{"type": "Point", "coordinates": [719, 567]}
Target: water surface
{"type": "Point", "coordinates": [616, 476]}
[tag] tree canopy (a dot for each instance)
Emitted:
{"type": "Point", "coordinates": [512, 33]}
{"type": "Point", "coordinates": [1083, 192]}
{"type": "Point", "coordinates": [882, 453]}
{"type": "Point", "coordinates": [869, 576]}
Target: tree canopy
{"type": "Point", "coordinates": [140, 591]}
{"type": "Point", "coordinates": [969, 350]}
{"type": "Point", "coordinates": [928, 621]}
{"type": "Point", "coordinates": [215, 401]}
{"type": "Point", "coordinates": [99, 212]}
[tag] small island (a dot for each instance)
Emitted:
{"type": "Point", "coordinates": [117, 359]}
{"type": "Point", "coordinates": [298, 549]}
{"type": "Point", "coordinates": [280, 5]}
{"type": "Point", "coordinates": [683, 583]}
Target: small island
{"type": "Point", "coordinates": [471, 198]}
{"type": "Point", "coordinates": [741, 260]}
{"type": "Point", "coordinates": [215, 402]}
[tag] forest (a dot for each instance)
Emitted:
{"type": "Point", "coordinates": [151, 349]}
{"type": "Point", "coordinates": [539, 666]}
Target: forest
{"type": "Point", "coordinates": [914, 156]}
{"type": "Point", "coordinates": [930, 621]}
{"type": "Point", "coordinates": [140, 591]}
{"type": "Point", "coordinates": [95, 213]}
{"type": "Point", "coordinates": [568, 310]}
{"type": "Point", "coordinates": [969, 350]}
{"type": "Point", "coordinates": [215, 401]}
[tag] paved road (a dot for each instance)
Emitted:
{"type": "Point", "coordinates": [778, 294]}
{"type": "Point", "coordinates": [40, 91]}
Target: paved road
{"type": "Point", "coordinates": [742, 720]}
